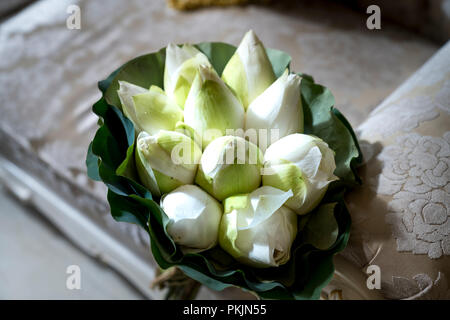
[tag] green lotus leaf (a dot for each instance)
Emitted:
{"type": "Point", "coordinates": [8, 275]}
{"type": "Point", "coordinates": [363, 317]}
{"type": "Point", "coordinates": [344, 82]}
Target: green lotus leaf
{"type": "Point", "coordinates": [321, 228]}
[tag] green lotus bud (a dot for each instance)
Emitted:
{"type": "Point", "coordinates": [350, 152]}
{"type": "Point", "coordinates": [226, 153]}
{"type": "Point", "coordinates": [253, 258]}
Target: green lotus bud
{"type": "Point", "coordinates": [180, 70]}
{"type": "Point", "coordinates": [249, 71]}
{"type": "Point", "coordinates": [229, 166]}
{"type": "Point", "coordinates": [166, 160]}
{"type": "Point", "coordinates": [256, 229]}
{"type": "Point", "coordinates": [194, 218]}
{"type": "Point", "coordinates": [126, 92]}
{"type": "Point", "coordinates": [279, 107]}
{"type": "Point", "coordinates": [303, 164]}
{"type": "Point", "coordinates": [149, 110]}
{"type": "Point", "coordinates": [188, 131]}
{"type": "Point", "coordinates": [155, 111]}
{"type": "Point", "coordinates": [211, 108]}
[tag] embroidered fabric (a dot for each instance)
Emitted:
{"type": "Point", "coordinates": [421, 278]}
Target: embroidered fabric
{"type": "Point", "coordinates": [420, 287]}
{"type": "Point", "coordinates": [406, 141]}
{"type": "Point", "coordinates": [416, 174]}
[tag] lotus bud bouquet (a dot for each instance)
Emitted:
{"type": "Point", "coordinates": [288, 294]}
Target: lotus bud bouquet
{"type": "Point", "coordinates": [234, 165]}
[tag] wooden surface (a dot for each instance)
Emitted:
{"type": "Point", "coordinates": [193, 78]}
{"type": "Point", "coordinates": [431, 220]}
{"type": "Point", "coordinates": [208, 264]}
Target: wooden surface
{"type": "Point", "coordinates": [35, 256]}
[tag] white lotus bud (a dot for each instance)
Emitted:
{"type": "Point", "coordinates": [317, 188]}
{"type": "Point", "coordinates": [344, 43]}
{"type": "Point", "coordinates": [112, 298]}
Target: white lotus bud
{"type": "Point", "coordinates": [249, 71]}
{"type": "Point", "coordinates": [149, 110]}
{"type": "Point", "coordinates": [211, 108]}
{"type": "Point", "coordinates": [230, 165]}
{"type": "Point", "coordinates": [303, 164]}
{"type": "Point", "coordinates": [166, 160]}
{"type": "Point", "coordinates": [155, 111]}
{"type": "Point", "coordinates": [188, 131]}
{"type": "Point", "coordinates": [279, 107]}
{"type": "Point", "coordinates": [194, 218]}
{"type": "Point", "coordinates": [126, 92]}
{"type": "Point", "coordinates": [256, 229]}
{"type": "Point", "coordinates": [180, 70]}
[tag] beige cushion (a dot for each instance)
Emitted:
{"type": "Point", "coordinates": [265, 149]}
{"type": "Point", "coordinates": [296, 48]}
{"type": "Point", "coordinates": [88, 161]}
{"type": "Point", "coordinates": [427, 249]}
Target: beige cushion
{"type": "Point", "coordinates": [401, 215]}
